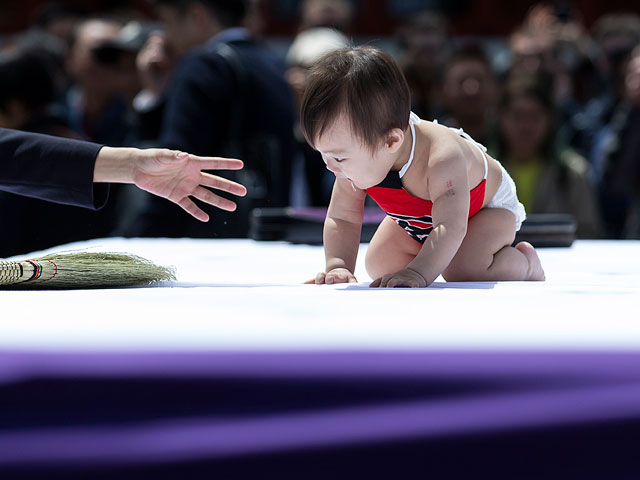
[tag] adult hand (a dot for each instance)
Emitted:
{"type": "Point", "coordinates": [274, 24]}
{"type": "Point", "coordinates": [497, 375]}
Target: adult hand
{"type": "Point", "coordinates": [177, 176]}
{"type": "Point", "coordinates": [337, 275]}
{"type": "Point", "coordinates": [403, 278]}
{"type": "Point", "coordinates": [173, 175]}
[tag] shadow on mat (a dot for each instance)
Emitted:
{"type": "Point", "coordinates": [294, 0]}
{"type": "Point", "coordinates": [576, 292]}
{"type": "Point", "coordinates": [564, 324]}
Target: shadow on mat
{"type": "Point", "coordinates": [433, 286]}
{"type": "Point", "coordinates": [360, 286]}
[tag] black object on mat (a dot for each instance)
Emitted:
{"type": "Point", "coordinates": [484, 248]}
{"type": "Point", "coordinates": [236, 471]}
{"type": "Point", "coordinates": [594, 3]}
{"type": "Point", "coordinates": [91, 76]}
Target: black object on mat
{"type": "Point", "coordinates": [548, 230]}
{"type": "Point", "coordinates": [304, 225]}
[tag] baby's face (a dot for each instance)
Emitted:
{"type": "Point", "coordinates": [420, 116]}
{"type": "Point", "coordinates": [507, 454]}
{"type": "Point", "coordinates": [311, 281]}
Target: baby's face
{"type": "Point", "coordinates": [346, 156]}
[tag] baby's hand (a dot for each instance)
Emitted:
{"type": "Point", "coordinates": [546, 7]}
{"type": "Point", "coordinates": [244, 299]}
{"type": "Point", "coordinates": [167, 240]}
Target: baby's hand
{"type": "Point", "coordinates": [337, 275]}
{"type": "Point", "coordinates": [403, 278]}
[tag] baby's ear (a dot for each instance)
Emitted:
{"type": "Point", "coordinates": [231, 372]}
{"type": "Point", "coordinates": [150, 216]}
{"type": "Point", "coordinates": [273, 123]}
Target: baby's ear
{"type": "Point", "coordinates": [394, 140]}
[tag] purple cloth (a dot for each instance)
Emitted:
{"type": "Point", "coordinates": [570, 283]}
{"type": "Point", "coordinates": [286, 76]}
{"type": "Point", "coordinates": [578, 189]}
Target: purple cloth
{"type": "Point", "coordinates": [371, 214]}
{"type": "Point", "coordinates": [122, 410]}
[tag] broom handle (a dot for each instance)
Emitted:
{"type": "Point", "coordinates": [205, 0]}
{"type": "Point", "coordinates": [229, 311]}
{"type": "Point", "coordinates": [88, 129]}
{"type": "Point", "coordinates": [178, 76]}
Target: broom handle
{"type": "Point", "coordinates": [17, 272]}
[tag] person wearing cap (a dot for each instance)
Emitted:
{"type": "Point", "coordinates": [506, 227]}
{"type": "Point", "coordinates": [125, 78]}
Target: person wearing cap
{"type": "Point", "coordinates": [314, 182]}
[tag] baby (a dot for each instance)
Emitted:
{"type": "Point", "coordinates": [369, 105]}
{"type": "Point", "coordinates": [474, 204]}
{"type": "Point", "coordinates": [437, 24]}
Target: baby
{"type": "Point", "coordinates": [451, 208]}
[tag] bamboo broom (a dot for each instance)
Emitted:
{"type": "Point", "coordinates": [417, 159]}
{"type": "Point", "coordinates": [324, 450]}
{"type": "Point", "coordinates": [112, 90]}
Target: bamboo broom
{"type": "Point", "coordinates": [77, 270]}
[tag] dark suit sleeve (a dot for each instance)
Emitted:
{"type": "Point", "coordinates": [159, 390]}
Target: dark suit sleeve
{"type": "Point", "coordinates": [50, 168]}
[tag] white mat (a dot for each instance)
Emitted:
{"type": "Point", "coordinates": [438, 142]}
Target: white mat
{"type": "Point", "coordinates": [244, 295]}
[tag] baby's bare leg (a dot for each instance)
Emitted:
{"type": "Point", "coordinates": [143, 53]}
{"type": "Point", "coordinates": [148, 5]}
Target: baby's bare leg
{"type": "Point", "coordinates": [391, 249]}
{"type": "Point", "coordinates": [486, 253]}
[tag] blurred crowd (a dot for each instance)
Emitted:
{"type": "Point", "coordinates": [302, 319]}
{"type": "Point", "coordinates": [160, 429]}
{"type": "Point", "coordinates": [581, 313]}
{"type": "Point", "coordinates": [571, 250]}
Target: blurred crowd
{"type": "Point", "coordinates": [557, 103]}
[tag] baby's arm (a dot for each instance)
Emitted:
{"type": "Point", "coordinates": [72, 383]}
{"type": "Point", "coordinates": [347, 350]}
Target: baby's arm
{"type": "Point", "coordinates": [342, 229]}
{"type": "Point", "coordinates": [448, 187]}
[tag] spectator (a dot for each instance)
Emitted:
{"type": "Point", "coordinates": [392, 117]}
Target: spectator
{"type": "Point", "coordinates": [425, 45]}
{"type": "Point", "coordinates": [550, 177]}
{"type": "Point", "coordinates": [553, 42]}
{"type": "Point", "coordinates": [124, 52]}
{"type": "Point", "coordinates": [155, 63]}
{"type": "Point", "coordinates": [97, 108]}
{"type": "Point", "coordinates": [314, 182]}
{"type": "Point", "coordinates": [27, 89]}
{"type": "Point", "coordinates": [617, 34]}
{"type": "Point", "coordinates": [533, 56]}
{"type": "Point", "coordinates": [254, 20]}
{"type": "Point", "coordinates": [617, 156]}
{"type": "Point", "coordinates": [227, 96]}
{"type": "Point", "coordinates": [57, 20]}
{"type": "Point", "coordinates": [336, 14]}
{"type": "Point", "coordinates": [470, 92]}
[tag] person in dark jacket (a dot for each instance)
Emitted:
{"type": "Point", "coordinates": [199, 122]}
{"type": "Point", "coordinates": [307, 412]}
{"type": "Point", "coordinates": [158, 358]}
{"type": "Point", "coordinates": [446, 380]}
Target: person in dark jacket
{"type": "Point", "coordinates": [27, 90]}
{"type": "Point", "coordinates": [227, 96]}
{"type": "Point", "coordinates": [616, 157]}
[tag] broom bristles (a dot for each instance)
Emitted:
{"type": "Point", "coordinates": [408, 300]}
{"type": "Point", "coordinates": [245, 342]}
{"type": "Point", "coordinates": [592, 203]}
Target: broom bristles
{"type": "Point", "coordinates": [82, 270]}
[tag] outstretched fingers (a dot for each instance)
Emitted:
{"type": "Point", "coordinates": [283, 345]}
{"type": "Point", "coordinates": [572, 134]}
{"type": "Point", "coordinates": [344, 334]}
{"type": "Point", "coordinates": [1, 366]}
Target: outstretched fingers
{"type": "Point", "coordinates": [191, 208]}
{"type": "Point", "coordinates": [206, 196]}
{"type": "Point", "coordinates": [211, 198]}
{"type": "Point", "coordinates": [217, 163]}
{"type": "Point", "coordinates": [219, 183]}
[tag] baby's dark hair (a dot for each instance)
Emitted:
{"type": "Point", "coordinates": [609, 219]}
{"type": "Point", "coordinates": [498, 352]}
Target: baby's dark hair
{"type": "Point", "coordinates": [365, 84]}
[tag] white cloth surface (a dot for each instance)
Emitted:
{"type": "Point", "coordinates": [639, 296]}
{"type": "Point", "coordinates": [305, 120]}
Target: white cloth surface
{"type": "Point", "coordinates": [248, 296]}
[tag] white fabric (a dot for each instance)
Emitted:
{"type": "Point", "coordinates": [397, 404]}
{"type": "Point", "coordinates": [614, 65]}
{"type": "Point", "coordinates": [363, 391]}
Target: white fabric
{"type": "Point", "coordinates": [243, 295]}
{"type": "Point", "coordinates": [479, 146]}
{"type": "Point", "coordinates": [414, 120]}
{"type": "Point", "coordinates": [507, 198]}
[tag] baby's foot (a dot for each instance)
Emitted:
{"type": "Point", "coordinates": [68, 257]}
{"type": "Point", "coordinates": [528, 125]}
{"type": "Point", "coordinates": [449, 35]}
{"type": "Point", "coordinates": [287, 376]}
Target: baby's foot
{"type": "Point", "coordinates": [535, 267]}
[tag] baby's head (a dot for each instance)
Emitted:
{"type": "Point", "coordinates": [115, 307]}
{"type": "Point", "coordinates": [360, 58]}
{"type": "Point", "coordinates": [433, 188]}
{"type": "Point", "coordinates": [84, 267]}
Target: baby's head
{"type": "Point", "coordinates": [363, 84]}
